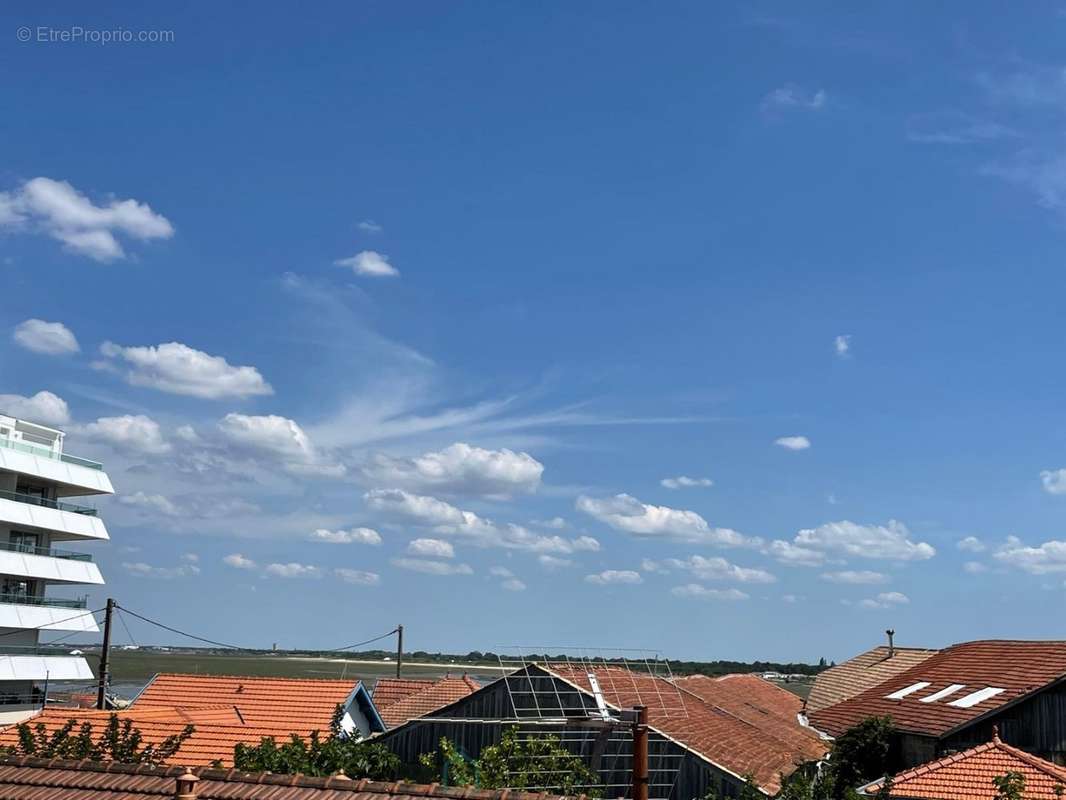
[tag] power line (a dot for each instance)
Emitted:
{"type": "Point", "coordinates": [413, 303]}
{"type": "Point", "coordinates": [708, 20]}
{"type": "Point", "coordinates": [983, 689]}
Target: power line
{"type": "Point", "coordinates": [180, 633]}
{"type": "Point", "coordinates": [122, 619]}
{"type": "Point", "coordinates": [368, 641]}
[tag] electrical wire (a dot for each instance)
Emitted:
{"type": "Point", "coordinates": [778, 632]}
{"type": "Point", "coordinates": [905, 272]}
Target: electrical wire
{"type": "Point", "coordinates": [368, 641]}
{"type": "Point", "coordinates": [122, 619]}
{"type": "Point", "coordinates": [179, 632]}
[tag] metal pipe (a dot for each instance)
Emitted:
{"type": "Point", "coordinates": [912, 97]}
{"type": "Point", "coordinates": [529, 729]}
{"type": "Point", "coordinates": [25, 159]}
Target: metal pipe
{"type": "Point", "coordinates": [399, 649]}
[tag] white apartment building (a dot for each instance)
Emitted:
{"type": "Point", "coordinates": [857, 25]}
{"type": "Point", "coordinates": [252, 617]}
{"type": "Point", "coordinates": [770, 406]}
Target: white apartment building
{"type": "Point", "coordinates": [37, 523]}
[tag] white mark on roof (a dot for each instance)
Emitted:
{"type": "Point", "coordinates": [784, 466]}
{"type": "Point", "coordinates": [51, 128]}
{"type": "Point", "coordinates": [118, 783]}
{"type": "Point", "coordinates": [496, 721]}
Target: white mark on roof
{"type": "Point", "coordinates": [942, 693]}
{"type": "Point", "coordinates": [972, 699]}
{"type": "Point", "coordinates": [906, 690]}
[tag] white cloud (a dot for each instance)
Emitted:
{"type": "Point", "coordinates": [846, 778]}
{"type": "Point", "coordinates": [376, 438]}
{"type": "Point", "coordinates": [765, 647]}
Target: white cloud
{"type": "Point", "coordinates": [238, 561]}
{"type": "Point", "coordinates": [268, 434]}
{"type": "Point", "coordinates": [369, 226]}
{"type": "Point", "coordinates": [142, 570]}
{"type": "Point", "coordinates": [500, 572]}
{"type": "Point", "coordinates": [860, 576]}
{"type": "Point", "coordinates": [585, 544]}
{"type": "Point", "coordinates": [842, 345]}
{"type": "Point", "coordinates": [718, 569]}
{"type": "Point", "coordinates": [1054, 481]}
{"type": "Point", "coordinates": [191, 558]}
{"type": "Point", "coordinates": [625, 513]}
{"type": "Point", "coordinates": [176, 368]}
{"type": "Point", "coordinates": [890, 542]}
{"type": "Point", "coordinates": [886, 600]}
{"type": "Point", "coordinates": [513, 585]}
{"type": "Point", "coordinates": [44, 408]}
{"type": "Point", "coordinates": [555, 523]}
{"type": "Point", "coordinates": [130, 433]}
{"type": "Point", "coordinates": [352, 536]}
{"type": "Point", "coordinates": [791, 598]}
{"type": "Point", "coordinates": [431, 548]}
{"type": "Point", "coordinates": [614, 576]}
{"type": "Point", "coordinates": [974, 567]}
{"type": "Point", "coordinates": [971, 544]}
{"type": "Point", "coordinates": [460, 469]}
{"type": "Point", "coordinates": [58, 210]}
{"type": "Point", "coordinates": [648, 565]}
{"type": "Point", "coordinates": [1046, 558]}
{"type": "Point", "coordinates": [685, 482]}
{"type": "Point", "coordinates": [292, 569]}
{"type": "Point", "coordinates": [791, 97]}
{"type": "Point", "coordinates": [430, 567]}
{"type": "Point", "coordinates": [794, 555]}
{"type": "Point", "coordinates": [357, 576]}
{"type": "Point", "coordinates": [554, 562]}
{"type": "Point", "coordinates": [447, 520]}
{"type": "Point", "coordinates": [793, 442]}
{"type": "Point", "coordinates": [369, 263]}
{"type": "Point", "coordinates": [150, 503]}
{"type": "Point", "coordinates": [695, 590]}
{"type": "Point", "coordinates": [954, 127]}
{"type": "Point", "coordinates": [47, 338]}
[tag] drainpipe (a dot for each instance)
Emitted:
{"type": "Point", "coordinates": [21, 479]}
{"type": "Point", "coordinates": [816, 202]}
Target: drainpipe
{"type": "Point", "coordinates": [891, 647]}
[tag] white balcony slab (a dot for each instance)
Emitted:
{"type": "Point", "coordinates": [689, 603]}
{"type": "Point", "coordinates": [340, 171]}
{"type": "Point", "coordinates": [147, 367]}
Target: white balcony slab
{"type": "Point", "coordinates": [91, 481]}
{"type": "Point", "coordinates": [39, 668]}
{"type": "Point", "coordinates": [49, 568]}
{"type": "Point", "coordinates": [68, 523]}
{"type": "Point", "coordinates": [47, 618]}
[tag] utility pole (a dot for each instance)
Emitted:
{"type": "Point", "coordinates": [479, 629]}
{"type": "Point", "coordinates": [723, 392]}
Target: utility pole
{"type": "Point", "coordinates": [399, 649]}
{"type": "Point", "coordinates": [640, 754]}
{"type": "Point", "coordinates": [105, 649]}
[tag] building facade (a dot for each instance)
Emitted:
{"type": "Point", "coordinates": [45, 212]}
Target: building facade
{"type": "Point", "coordinates": [38, 522]}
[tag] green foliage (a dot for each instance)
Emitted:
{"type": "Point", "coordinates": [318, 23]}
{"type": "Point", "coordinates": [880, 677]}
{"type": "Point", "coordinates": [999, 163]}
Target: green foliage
{"type": "Point", "coordinates": [319, 756]}
{"type": "Point", "coordinates": [861, 754]}
{"type": "Point", "coordinates": [750, 789]}
{"type": "Point", "coordinates": [1010, 786]}
{"type": "Point", "coordinates": [538, 763]}
{"type": "Point", "coordinates": [119, 741]}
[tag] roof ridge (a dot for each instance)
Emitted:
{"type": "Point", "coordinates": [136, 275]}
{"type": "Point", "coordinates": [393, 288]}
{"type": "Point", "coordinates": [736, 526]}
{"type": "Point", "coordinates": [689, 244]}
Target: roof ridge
{"type": "Point", "coordinates": [254, 677]}
{"type": "Point", "coordinates": [1035, 762]}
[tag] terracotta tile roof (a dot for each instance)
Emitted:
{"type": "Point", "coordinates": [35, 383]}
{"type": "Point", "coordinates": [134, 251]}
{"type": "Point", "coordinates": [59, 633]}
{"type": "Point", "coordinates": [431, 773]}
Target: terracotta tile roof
{"type": "Point", "coordinates": [218, 729]}
{"type": "Point", "coordinates": [767, 750]}
{"type": "Point", "coordinates": [745, 693]}
{"type": "Point", "coordinates": [968, 775]}
{"type": "Point", "coordinates": [284, 705]}
{"type": "Point", "coordinates": [1018, 668]}
{"type": "Point", "coordinates": [855, 676]}
{"type": "Point", "coordinates": [39, 779]}
{"type": "Point", "coordinates": [412, 699]}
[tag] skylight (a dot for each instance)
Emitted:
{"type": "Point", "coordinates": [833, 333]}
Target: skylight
{"type": "Point", "coordinates": [947, 690]}
{"type": "Point", "coordinates": [972, 699]}
{"type": "Point", "coordinates": [906, 690]}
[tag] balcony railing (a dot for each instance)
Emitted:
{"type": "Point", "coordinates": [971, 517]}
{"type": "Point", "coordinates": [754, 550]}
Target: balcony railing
{"type": "Point", "coordinates": [22, 447]}
{"type": "Point", "coordinates": [59, 505]}
{"type": "Point", "coordinates": [35, 650]}
{"type": "Point", "coordinates": [51, 552]}
{"type": "Point", "coordinates": [50, 602]}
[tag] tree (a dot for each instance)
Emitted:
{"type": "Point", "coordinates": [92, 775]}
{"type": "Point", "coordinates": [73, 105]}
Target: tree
{"type": "Point", "coordinates": [1010, 786]}
{"type": "Point", "coordinates": [538, 763]}
{"type": "Point", "coordinates": [861, 754]}
{"type": "Point", "coordinates": [119, 741]}
{"type": "Point", "coordinates": [319, 756]}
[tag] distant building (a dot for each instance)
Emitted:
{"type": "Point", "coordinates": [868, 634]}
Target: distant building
{"type": "Point", "coordinates": [400, 699]}
{"type": "Point", "coordinates": [695, 744]}
{"type": "Point", "coordinates": [970, 774]}
{"type": "Point", "coordinates": [953, 699]}
{"type": "Point", "coordinates": [36, 479]}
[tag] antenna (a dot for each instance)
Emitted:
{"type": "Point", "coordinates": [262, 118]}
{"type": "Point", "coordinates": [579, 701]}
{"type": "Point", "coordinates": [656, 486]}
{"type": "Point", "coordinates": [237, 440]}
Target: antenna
{"type": "Point", "coordinates": [602, 705]}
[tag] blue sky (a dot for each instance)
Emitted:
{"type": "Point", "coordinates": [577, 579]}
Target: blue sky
{"type": "Point", "coordinates": [410, 312]}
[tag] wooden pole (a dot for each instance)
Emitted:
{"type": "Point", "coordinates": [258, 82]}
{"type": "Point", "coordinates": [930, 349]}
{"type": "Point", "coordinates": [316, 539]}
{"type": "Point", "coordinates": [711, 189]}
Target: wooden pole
{"type": "Point", "coordinates": [640, 754]}
{"type": "Point", "coordinates": [399, 649]}
{"type": "Point", "coordinates": [105, 651]}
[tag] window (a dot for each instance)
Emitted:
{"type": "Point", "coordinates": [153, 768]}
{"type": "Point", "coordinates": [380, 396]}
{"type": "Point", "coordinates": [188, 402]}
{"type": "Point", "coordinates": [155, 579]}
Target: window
{"type": "Point", "coordinates": [906, 690]}
{"type": "Point", "coordinates": [24, 542]}
{"type": "Point", "coordinates": [947, 690]}
{"type": "Point", "coordinates": [972, 699]}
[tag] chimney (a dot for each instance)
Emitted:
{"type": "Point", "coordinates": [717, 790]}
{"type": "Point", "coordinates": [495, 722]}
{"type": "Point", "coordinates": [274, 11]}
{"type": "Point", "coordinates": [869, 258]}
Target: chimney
{"type": "Point", "coordinates": [891, 647]}
{"type": "Point", "coordinates": [185, 786]}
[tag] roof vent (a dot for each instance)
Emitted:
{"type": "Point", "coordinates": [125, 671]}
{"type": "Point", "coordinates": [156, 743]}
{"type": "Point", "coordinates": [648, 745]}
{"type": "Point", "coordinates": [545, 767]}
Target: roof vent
{"type": "Point", "coordinates": [891, 647]}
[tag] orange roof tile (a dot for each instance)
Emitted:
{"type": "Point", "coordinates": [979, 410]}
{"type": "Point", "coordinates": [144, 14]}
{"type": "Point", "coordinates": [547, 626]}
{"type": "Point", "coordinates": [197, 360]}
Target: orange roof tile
{"type": "Point", "coordinates": [855, 676]}
{"type": "Point", "coordinates": [1018, 668]}
{"type": "Point", "coordinates": [413, 702]}
{"type": "Point", "coordinates": [391, 690]}
{"type": "Point", "coordinates": [41, 779]}
{"type": "Point", "coordinates": [968, 775]}
{"type": "Point", "coordinates": [218, 729]}
{"type": "Point", "coordinates": [284, 705]}
{"type": "Point", "coordinates": [767, 750]}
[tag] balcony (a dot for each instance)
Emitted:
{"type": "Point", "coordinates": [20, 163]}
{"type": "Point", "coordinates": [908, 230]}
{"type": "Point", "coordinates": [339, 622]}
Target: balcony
{"type": "Point", "coordinates": [47, 602]}
{"type": "Point", "coordinates": [50, 552]}
{"type": "Point", "coordinates": [58, 505]}
{"type": "Point", "coordinates": [33, 450]}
